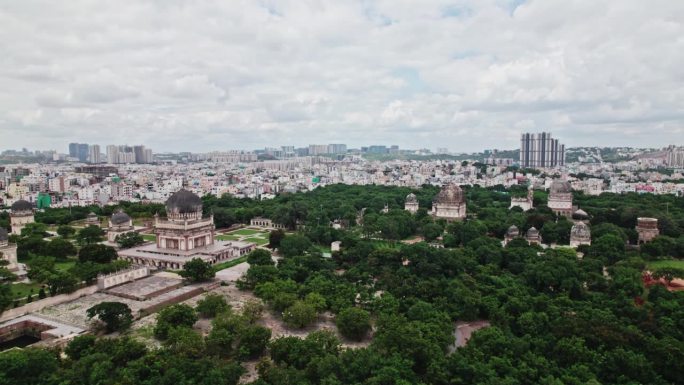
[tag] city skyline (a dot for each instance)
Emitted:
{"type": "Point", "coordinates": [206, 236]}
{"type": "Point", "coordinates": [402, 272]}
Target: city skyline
{"type": "Point", "coordinates": [207, 76]}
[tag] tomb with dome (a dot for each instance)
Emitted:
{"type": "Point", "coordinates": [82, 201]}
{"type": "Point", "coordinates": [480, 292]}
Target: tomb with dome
{"type": "Point", "coordinates": [512, 233]}
{"type": "Point", "coordinates": [580, 234]}
{"type": "Point", "coordinates": [21, 215]}
{"type": "Point", "coordinates": [183, 235]}
{"type": "Point", "coordinates": [533, 236]}
{"type": "Point", "coordinates": [411, 203]}
{"type": "Point", "coordinates": [119, 223]}
{"type": "Point", "coordinates": [8, 251]}
{"type": "Point", "coordinates": [450, 203]}
{"type": "Point", "coordinates": [560, 198]}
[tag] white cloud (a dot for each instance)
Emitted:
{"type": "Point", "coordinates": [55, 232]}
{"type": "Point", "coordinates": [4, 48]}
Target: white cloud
{"type": "Point", "coordinates": [207, 75]}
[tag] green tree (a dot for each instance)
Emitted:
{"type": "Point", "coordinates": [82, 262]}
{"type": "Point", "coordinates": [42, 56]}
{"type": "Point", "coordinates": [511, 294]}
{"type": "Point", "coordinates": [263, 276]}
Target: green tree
{"type": "Point", "coordinates": [253, 341]}
{"type": "Point", "coordinates": [90, 235]}
{"type": "Point", "coordinates": [185, 342]}
{"type": "Point", "coordinates": [293, 245]}
{"type": "Point", "coordinates": [129, 239]}
{"type": "Point", "coordinates": [196, 270]}
{"type": "Point", "coordinates": [174, 316]}
{"type": "Point", "coordinates": [260, 257]}
{"type": "Point", "coordinates": [97, 253]}
{"type": "Point", "coordinates": [28, 367]}
{"type": "Point", "coordinates": [60, 248]}
{"type": "Point", "coordinates": [116, 316]}
{"type": "Point", "coordinates": [275, 237]}
{"type": "Point", "coordinates": [80, 346]}
{"type": "Point", "coordinates": [353, 323]}
{"type": "Point", "coordinates": [211, 305]}
{"type": "Point", "coordinates": [61, 282]}
{"type": "Point", "coordinates": [299, 315]}
{"type": "Point", "coordinates": [65, 231]}
{"type": "Point", "coordinates": [431, 231]}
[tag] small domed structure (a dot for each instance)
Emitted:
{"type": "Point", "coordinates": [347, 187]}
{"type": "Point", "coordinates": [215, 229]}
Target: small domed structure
{"type": "Point", "coordinates": [8, 251]}
{"type": "Point", "coordinates": [120, 217]}
{"type": "Point", "coordinates": [533, 236]}
{"type": "Point", "coordinates": [449, 203]}
{"type": "Point", "coordinates": [411, 203]}
{"type": "Point", "coordinates": [580, 234]}
{"type": "Point", "coordinates": [120, 223]}
{"type": "Point", "coordinates": [21, 215]}
{"type": "Point", "coordinates": [450, 194]}
{"type": "Point", "coordinates": [559, 186]}
{"type": "Point", "coordinates": [512, 233]}
{"type": "Point", "coordinates": [184, 204]}
{"type": "Point", "coordinates": [92, 219]}
{"type": "Point", "coordinates": [560, 198]}
{"type": "Point", "coordinates": [21, 206]}
{"type": "Point", "coordinates": [513, 230]}
{"type": "Point", "coordinates": [580, 215]}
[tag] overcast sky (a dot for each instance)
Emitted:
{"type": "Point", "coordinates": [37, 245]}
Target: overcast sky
{"type": "Point", "coordinates": [216, 75]}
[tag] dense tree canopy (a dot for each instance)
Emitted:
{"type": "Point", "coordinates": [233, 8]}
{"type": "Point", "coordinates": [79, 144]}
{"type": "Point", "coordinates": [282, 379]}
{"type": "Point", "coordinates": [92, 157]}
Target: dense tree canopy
{"type": "Point", "coordinates": [554, 318]}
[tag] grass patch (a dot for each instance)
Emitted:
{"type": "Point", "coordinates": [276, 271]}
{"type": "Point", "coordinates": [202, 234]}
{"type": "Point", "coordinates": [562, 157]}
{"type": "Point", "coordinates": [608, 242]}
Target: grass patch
{"type": "Point", "coordinates": [149, 237]}
{"type": "Point", "coordinates": [665, 263]}
{"type": "Point", "coordinates": [247, 232]}
{"type": "Point", "coordinates": [386, 245]}
{"type": "Point", "coordinates": [258, 241]}
{"type": "Point", "coordinates": [227, 237]}
{"type": "Point", "coordinates": [21, 290]}
{"type": "Point", "coordinates": [65, 265]}
{"type": "Point", "coordinates": [231, 263]}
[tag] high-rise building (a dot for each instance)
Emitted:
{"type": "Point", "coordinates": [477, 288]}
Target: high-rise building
{"type": "Point", "coordinates": [148, 155]}
{"type": "Point", "coordinates": [675, 157]}
{"type": "Point", "coordinates": [83, 150]}
{"type": "Point", "coordinates": [541, 151]}
{"type": "Point", "coordinates": [94, 153]}
{"type": "Point", "coordinates": [139, 154]}
{"type": "Point", "coordinates": [318, 149]}
{"type": "Point", "coordinates": [337, 148]}
{"type": "Point", "coordinates": [73, 150]}
{"type": "Point", "coordinates": [112, 154]}
{"type": "Point", "coordinates": [377, 149]}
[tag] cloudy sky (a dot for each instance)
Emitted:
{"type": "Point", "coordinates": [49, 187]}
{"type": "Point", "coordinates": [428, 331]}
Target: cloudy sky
{"type": "Point", "coordinates": [216, 75]}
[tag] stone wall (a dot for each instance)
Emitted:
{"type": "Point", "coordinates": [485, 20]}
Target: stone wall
{"type": "Point", "coordinates": [119, 277]}
{"type": "Point", "coordinates": [45, 302]}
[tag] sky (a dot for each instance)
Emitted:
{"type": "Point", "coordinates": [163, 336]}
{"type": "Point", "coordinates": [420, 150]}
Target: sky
{"type": "Point", "coordinates": [468, 75]}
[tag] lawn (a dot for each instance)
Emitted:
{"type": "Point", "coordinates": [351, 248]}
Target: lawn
{"type": "Point", "coordinates": [386, 244]}
{"type": "Point", "coordinates": [665, 263]}
{"type": "Point", "coordinates": [227, 237]}
{"type": "Point", "coordinates": [21, 290]}
{"type": "Point", "coordinates": [231, 263]}
{"type": "Point", "coordinates": [247, 232]}
{"type": "Point", "coordinates": [258, 241]}
{"type": "Point", "coordinates": [66, 265]}
{"type": "Point", "coordinates": [149, 237]}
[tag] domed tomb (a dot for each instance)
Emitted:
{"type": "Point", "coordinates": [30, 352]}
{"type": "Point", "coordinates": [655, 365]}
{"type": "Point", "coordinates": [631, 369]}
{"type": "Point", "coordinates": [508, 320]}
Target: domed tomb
{"type": "Point", "coordinates": [21, 215]}
{"type": "Point", "coordinates": [119, 223]}
{"type": "Point", "coordinates": [580, 234]}
{"type": "Point", "coordinates": [411, 203]}
{"type": "Point", "coordinates": [184, 204]}
{"type": "Point", "coordinates": [120, 218]}
{"type": "Point", "coordinates": [512, 233]}
{"type": "Point", "coordinates": [560, 198]}
{"type": "Point", "coordinates": [8, 250]}
{"type": "Point", "coordinates": [580, 215]}
{"type": "Point", "coordinates": [449, 203]}
{"type": "Point", "coordinates": [533, 236]}
{"type": "Point", "coordinates": [21, 206]}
